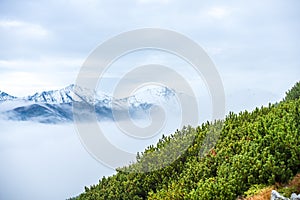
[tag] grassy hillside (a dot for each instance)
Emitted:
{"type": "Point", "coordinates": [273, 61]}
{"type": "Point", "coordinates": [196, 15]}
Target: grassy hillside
{"type": "Point", "coordinates": [254, 148]}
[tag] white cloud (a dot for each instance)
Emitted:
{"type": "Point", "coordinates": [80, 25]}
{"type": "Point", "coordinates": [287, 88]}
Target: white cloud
{"type": "Point", "coordinates": [23, 77]}
{"type": "Point", "coordinates": [25, 83]}
{"type": "Point", "coordinates": [60, 63]}
{"type": "Point", "coordinates": [10, 23]}
{"type": "Point", "coordinates": [214, 51]}
{"type": "Point", "coordinates": [23, 28]}
{"type": "Point", "coordinates": [218, 12]}
{"type": "Point", "coordinates": [154, 1]}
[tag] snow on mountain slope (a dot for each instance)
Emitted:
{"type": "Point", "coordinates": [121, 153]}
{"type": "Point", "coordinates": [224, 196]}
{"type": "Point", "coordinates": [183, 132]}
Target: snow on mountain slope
{"type": "Point", "coordinates": [4, 96]}
{"type": "Point", "coordinates": [56, 105]}
{"type": "Point", "coordinates": [65, 95]}
{"type": "Point", "coordinates": [155, 95]}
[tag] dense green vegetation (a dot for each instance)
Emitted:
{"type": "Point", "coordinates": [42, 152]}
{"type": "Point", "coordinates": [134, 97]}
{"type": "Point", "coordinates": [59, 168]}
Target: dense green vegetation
{"type": "Point", "coordinates": [293, 93]}
{"type": "Point", "coordinates": [255, 148]}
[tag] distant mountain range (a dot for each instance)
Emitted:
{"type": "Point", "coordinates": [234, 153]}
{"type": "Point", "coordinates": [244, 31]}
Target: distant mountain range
{"type": "Point", "coordinates": [56, 106]}
{"type": "Point", "coordinates": [4, 96]}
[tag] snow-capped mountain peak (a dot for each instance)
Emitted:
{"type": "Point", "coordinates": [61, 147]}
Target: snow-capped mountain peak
{"type": "Point", "coordinates": [4, 96]}
{"type": "Point", "coordinates": [155, 94]}
{"type": "Point", "coordinates": [56, 106]}
{"type": "Point", "coordinates": [68, 94]}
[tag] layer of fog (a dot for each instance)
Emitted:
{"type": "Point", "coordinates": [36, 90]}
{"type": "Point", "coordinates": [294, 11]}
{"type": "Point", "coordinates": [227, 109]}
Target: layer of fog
{"type": "Point", "coordinates": [48, 161]}
{"type": "Point", "coordinates": [41, 161]}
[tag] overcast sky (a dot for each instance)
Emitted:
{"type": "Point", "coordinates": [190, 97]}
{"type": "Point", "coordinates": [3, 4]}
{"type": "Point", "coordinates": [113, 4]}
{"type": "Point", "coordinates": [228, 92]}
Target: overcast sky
{"type": "Point", "coordinates": [254, 44]}
{"type": "Point", "coordinates": [43, 43]}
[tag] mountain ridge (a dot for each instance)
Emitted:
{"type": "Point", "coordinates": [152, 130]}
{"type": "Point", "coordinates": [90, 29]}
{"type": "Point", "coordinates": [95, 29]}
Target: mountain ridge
{"type": "Point", "coordinates": [5, 96]}
{"type": "Point", "coordinates": [56, 106]}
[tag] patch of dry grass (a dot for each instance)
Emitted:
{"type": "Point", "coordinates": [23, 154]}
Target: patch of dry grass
{"type": "Point", "coordinates": [265, 193]}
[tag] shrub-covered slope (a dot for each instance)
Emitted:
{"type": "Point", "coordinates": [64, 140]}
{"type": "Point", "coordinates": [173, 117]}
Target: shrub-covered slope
{"type": "Point", "coordinates": [293, 93]}
{"type": "Point", "coordinates": [261, 147]}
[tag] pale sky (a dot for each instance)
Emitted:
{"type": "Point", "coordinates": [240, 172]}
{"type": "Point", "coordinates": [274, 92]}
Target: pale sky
{"type": "Point", "coordinates": [254, 44]}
